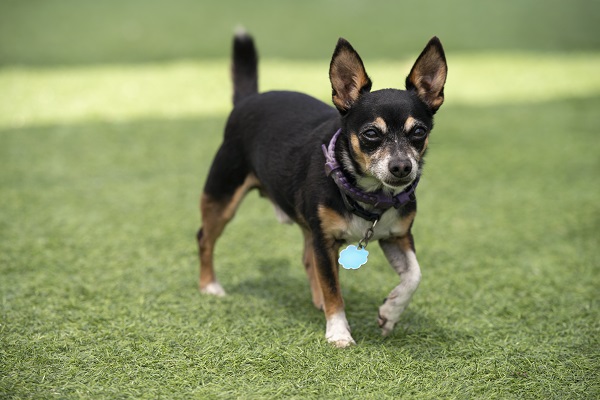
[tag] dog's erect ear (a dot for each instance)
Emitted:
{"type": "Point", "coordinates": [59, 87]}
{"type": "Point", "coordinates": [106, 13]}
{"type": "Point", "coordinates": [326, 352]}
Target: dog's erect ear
{"type": "Point", "coordinates": [428, 76]}
{"type": "Point", "coordinates": [347, 75]}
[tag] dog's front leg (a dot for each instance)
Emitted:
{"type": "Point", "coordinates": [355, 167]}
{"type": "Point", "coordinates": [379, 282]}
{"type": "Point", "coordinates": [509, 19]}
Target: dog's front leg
{"type": "Point", "coordinates": [400, 253]}
{"type": "Point", "coordinates": [325, 254]}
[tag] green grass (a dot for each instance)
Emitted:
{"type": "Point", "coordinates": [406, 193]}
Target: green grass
{"type": "Point", "coordinates": [102, 165]}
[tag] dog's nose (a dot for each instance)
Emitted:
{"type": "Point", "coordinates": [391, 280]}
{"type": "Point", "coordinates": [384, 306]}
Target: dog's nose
{"type": "Point", "coordinates": [400, 168]}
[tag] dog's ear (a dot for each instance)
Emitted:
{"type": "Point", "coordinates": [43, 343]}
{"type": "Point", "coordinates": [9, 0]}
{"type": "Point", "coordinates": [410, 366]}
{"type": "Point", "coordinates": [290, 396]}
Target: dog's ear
{"type": "Point", "coordinates": [347, 75]}
{"type": "Point", "coordinates": [428, 76]}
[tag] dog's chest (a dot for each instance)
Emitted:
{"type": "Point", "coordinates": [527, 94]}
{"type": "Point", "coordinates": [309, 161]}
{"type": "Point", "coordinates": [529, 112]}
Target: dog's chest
{"type": "Point", "coordinates": [389, 225]}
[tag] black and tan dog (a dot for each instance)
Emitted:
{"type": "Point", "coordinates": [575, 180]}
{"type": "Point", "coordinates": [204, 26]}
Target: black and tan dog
{"type": "Point", "coordinates": [345, 174]}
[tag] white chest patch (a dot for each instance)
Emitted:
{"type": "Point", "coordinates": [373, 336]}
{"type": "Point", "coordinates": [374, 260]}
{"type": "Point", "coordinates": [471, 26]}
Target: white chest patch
{"type": "Point", "coordinates": [388, 225]}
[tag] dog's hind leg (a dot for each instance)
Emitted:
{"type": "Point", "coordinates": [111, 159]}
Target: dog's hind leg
{"type": "Point", "coordinates": [222, 195]}
{"type": "Point", "coordinates": [400, 253]}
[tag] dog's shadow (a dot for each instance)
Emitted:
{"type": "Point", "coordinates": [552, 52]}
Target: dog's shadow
{"type": "Point", "coordinates": [288, 295]}
{"type": "Point", "coordinates": [285, 291]}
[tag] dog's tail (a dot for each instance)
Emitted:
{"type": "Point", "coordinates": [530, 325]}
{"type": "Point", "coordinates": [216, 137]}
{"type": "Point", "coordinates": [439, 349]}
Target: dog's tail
{"type": "Point", "coordinates": [244, 70]}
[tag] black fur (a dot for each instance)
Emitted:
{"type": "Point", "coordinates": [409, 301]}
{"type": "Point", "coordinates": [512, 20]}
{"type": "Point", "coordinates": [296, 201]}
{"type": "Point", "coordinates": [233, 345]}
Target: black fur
{"type": "Point", "coordinates": [244, 70]}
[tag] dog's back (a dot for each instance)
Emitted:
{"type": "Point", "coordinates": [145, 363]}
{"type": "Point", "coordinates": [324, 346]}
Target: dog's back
{"type": "Point", "coordinates": [271, 126]}
{"type": "Point", "coordinates": [262, 130]}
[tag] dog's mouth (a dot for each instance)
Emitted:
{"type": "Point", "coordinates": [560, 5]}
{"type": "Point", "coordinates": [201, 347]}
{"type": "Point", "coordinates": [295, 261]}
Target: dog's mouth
{"type": "Point", "coordinates": [393, 185]}
{"type": "Point", "coordinates": [397, 184]}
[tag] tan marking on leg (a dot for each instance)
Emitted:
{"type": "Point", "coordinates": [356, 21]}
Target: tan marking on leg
{"type": "Point", "coordinates": [333, 223]}
{"type": "Point", "coordinates": [337, 328]}
{"type": "Point", "coordinates": [309, 265]}
{"type": "Point", "coordinates": [330, 285]}
{"type": "Point", "coordinates": [332, 296]}
{"type": "Point", "coordinates": [402, 226]}
{"type": "Point", "coordinates": [326, 270]}
{"type": "Point", "coordinates": [251, 182]}
{"type": "Point", "coordinates": [405, 243]}
{"type": "Point", "coordinates": [215, 216]}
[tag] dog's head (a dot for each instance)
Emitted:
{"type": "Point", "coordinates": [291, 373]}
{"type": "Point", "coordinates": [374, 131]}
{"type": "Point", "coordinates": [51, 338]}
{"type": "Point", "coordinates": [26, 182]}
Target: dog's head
{"type": "Point", "coordinates": [387, 130]}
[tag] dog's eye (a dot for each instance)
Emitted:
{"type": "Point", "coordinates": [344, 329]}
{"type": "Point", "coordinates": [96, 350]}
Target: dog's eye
{"type": "Point", "coordinates": [419, 133]}
{"type": "Point", "coordinates": [370, 134]}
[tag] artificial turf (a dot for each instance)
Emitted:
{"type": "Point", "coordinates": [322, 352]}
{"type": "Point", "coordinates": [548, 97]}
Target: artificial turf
{"type": "Point", "coordinates": [101, 168]}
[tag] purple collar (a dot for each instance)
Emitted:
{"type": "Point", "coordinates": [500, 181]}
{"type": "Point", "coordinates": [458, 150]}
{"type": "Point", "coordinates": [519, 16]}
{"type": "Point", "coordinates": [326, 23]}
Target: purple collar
{"type": "Point", "coordinates": [379, 199]}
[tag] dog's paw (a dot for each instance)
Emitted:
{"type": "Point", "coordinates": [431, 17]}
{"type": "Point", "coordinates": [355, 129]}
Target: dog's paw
{"type": "Point", "coordinates": [342, 343]}
{"type": "Point", "coordinates": [388, 316]}
{"type": "Point", "coordinates": [338, 331]}
{"type": "Point", "coordinates": [213, 288]}
{"type": "Point", "coordinates": [386, 326]}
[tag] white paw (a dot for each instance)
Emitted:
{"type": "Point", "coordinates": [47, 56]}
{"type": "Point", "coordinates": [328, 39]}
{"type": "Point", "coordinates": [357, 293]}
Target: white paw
{"type": "Point", "coordinates": [214, 289]}
{"type": "Point", "coordinates": [342, 342]}
{"type": "Point", "coordinates": [338, 331]}
{"type": "Point", "coordinates": [386, 326]}
{"type": "Point", "coordinates": [388, 316]}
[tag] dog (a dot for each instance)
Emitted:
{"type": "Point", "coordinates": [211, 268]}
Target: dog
{"type": "Point", "coordinates": [344, 174]}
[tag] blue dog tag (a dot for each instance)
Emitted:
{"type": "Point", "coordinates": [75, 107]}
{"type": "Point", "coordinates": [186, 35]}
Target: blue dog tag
{"type": "Point", "coordinates": [353, 257]}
